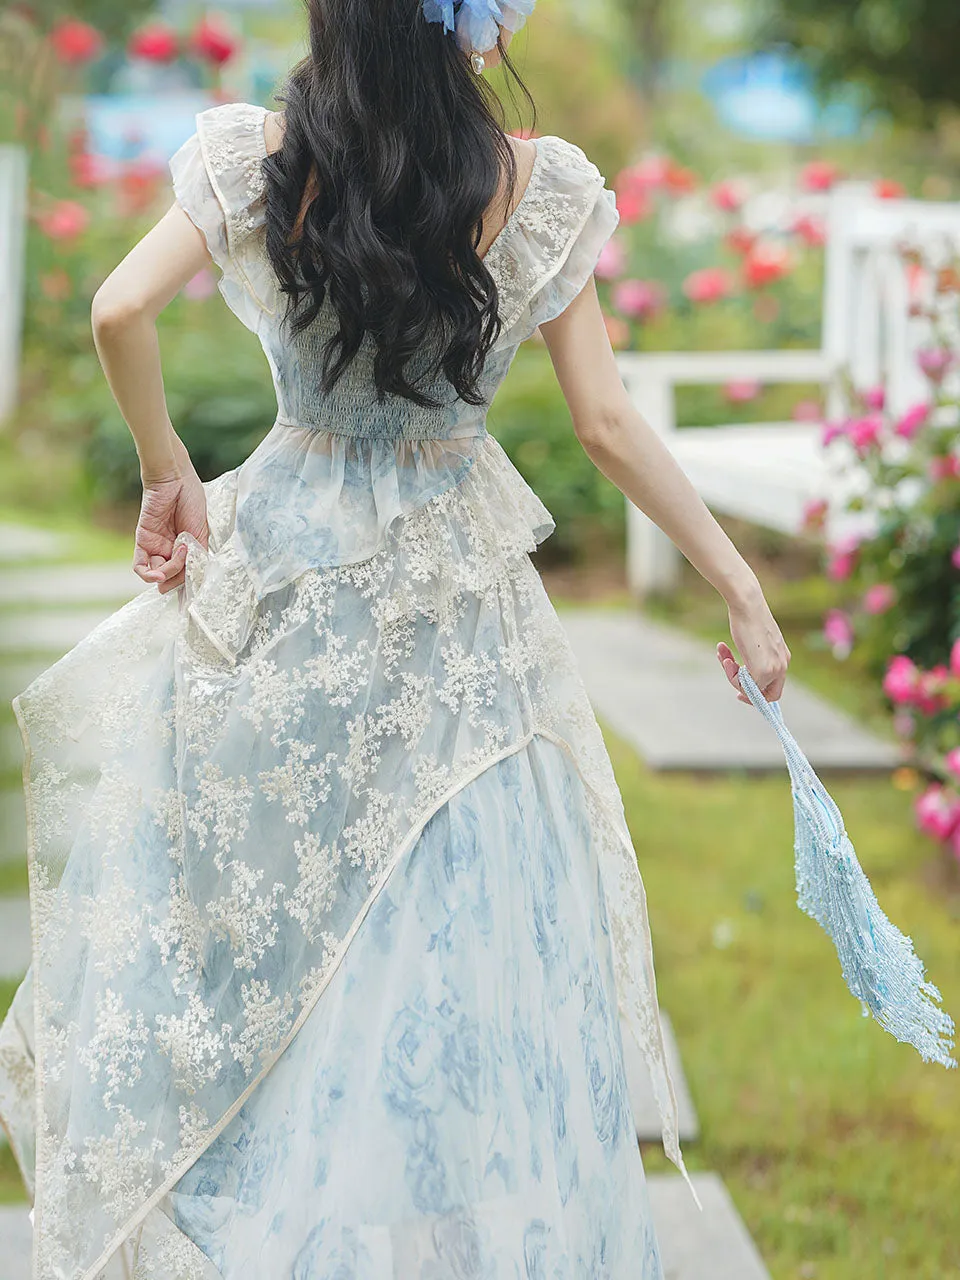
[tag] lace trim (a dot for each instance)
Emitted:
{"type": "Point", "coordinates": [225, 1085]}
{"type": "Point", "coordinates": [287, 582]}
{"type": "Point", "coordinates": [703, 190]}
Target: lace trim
{"type": "Point", "coordinates": [552, 212]}
{"type": "Point", "coordinates": [233, 146]}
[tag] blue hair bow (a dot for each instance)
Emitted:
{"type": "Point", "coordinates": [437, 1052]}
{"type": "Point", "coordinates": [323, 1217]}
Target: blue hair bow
{"type": "Point", "coordinates": [476, 22]}
{"type": "Point", "coordinates": [879, 963]}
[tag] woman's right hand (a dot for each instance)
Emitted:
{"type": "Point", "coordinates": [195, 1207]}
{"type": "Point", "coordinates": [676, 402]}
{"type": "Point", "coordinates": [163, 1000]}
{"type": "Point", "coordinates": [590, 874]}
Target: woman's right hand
{"type": "Point", "coordinates": [762, 647]}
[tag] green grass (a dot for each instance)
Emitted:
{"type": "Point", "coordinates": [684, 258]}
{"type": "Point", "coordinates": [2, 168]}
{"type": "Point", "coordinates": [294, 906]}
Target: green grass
{"type": "Point", "coordinates": [82, 542]}
{"type": "Point", "coordinates": [839, 1146]}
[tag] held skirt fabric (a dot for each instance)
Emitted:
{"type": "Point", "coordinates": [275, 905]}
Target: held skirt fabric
{"type": "Point", "coordinates": [334, 911]}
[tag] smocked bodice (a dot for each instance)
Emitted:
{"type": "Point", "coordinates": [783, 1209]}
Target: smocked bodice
{"type": "Point", "coordinates": [352, 407]}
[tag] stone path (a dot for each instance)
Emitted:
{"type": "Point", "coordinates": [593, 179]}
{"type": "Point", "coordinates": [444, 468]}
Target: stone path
{"type": "Point", "coordinates": [655, 686]}
{"type": "Point", "coordinates": [713, 1245]}
{"type": "Point", "coordinates": [80, 584]}
{"type": "Point", "coordinates": [662, 690]}
{"type": "Point", "coordinates": [21, 542]}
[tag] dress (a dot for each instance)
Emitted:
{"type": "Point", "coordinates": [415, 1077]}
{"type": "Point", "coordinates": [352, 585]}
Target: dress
{"type": "Point", "coordinates": [333, 900]}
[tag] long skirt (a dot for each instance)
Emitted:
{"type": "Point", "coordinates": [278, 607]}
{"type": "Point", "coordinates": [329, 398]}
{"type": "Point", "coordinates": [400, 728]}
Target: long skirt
{"type": "Point", "coordinates": [335, 910]}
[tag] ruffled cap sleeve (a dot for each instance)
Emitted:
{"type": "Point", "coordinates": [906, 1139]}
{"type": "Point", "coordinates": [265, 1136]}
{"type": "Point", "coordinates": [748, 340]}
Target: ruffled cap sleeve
{"type": "Point", "coordinates": [551, 244]}
{"type": "Point", "coordinates": [219, 183]}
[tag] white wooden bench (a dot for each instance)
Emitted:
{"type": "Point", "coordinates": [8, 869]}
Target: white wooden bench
{"type": "Point", "coordinates": [766, 472]}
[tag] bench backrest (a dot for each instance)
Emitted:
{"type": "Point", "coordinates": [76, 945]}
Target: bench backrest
{"type": "Point", "coordinates": [868, 329]}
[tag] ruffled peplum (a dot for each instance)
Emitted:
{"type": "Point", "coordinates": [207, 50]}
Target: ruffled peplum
{"type": "Point", "coordinates": [308, 500]}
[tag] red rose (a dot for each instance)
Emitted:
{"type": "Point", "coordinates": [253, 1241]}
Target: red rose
{"type": "Point", "coordinates": [154, 43]}
{"type": "Point", "coordinates": [765, 264]}
{"type": "Point", "coordinates": [711, 284]}
{"type": "Point", "coordinates": [213, 42]}
{"type": "Point", "coordinates": [76, 42]}
{"type": "Point", "coordinates": [741, 239]}
{"type": "Point", "coordinates": [819, 175]}
{"type": "Point", "coordinates": [887, 189]}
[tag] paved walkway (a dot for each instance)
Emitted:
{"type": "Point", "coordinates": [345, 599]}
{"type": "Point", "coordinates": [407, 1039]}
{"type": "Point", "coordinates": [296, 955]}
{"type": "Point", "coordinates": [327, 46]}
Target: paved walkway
{"type": "Point", "coordinates": [713, 1245]}
{"type": "Point", "coordinates": [662, 690]}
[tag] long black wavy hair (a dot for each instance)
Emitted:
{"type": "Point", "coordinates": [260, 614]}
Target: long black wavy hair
{"type": "Point", "coordinates": [399, 148]}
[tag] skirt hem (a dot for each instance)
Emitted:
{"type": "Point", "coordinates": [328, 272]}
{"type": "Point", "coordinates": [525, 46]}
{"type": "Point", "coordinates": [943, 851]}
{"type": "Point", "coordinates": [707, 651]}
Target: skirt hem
{"type": "Point", "coordinates": [139, 1215]}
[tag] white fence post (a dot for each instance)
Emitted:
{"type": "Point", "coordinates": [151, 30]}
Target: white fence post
{"type": "Point", "coordinates": [653, 561]}
{"type": "Point", "coordinates": [13, 217]}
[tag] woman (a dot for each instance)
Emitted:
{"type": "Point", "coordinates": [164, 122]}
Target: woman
{"type": "Point", "coordinates": [334, 900]}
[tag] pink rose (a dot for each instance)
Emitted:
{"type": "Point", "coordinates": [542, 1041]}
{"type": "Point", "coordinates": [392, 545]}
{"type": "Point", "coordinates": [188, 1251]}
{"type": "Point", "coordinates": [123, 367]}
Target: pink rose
{"type": "Point", "coordinates": [930, 696]}
{"type": "Point", "coordinates": [808, 411]}
{"type": "Point", "coordinates": [864, 433]}
{"type": "Point", "coordinates": [838, 632]}
{"type": "Point", "coordinates": [639, 299]}
{"type": "Point", "coordinates": [814, 513]}
{"type": "Point", "coordinates": [935, 362]}
{"type": "Point", "coordinates": [955, 557]}
{"type": "Point", "coordinates": [709, 285]}
{"type": "Point", "coordinates": [952, 762]}
{"type": "Point", "coordinates": [742, 392]}
{"type": "Point", "coordinates": [944, 467]}
{"type": "Point", "coordinates": [612, 261]}
{"type": "Point", "coordinates": [650, 171]}
{"type": "Point", "coordinates": [955, 658]}
{"type": "Point", "coordinates": [937, 812]}
{"type": "Point", "coordinates": [900, 679]}
{"type": "Point", "coordinates": [879, 598]}
{"type": "Point", "coordinates": [875, 398]}
{"type": "Point", "coordinates": [65, 220]}
{"type": "Point", "coordinates": [912, 421]}
{"type": "Point", "coordinates": [727, 196]}
{"type": "Point", "coordinates": [833, 431]}
{"type": "Point", "coordinates": [843, 558]}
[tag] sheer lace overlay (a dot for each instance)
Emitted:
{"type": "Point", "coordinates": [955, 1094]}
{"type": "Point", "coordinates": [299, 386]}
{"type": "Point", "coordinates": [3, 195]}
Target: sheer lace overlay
{"type": "Point", "coordinates": [221, 780]}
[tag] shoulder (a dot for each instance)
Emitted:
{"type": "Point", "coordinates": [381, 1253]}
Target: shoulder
{"type": "Point", "coordinates": [232, 133]}
{"type": "Point", "coordinates": [566, 158]}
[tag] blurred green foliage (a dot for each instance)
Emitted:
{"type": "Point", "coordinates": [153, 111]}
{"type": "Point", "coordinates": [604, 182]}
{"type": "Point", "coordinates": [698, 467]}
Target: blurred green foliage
{"type": "Point", "coordinates": [113, 18]}
{"type": "Point", "coordinates": [530, 419]}
{"type": "Point", "coordinates": [903, 51]}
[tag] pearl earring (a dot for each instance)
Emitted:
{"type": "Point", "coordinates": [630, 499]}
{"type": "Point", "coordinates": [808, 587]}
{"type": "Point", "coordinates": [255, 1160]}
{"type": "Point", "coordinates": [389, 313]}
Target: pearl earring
{"type": "Point", "coordinates": [477, 62]}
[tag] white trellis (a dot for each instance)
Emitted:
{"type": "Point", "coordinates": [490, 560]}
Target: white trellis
{"type": "Point", "coordinates": [13, 201]}
{"type": "Point", "coordinates": [766, 472]}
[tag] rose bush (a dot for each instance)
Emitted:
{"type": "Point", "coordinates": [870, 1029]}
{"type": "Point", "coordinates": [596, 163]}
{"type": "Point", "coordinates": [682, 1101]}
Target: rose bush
{"type": "Point", "coordinates": [899, 573]}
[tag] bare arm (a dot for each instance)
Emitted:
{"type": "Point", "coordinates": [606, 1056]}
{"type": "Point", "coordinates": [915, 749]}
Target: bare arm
{"type": "Point", "coordinates": [123, 315]}
{"type": "Point", "coordinates": [629, 452]}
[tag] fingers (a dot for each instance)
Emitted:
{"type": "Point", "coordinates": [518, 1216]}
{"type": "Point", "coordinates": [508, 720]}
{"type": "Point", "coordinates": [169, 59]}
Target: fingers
{"type": "Point", "coordinates": [166, 573]}
{"type": "Point", "coordinates": [730, 669]}
{"type": "Point", "coordinates": [171, 583]}
{"type": "Point", "coordinates": [771, 689]}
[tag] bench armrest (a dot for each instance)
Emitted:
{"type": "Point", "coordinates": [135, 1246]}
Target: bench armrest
{"type": "Point", "coordinates": [704, 367]}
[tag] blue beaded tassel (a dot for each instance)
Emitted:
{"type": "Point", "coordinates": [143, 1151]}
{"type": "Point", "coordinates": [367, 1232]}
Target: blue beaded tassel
{"type": "Point", "coordinates": [879, 963]}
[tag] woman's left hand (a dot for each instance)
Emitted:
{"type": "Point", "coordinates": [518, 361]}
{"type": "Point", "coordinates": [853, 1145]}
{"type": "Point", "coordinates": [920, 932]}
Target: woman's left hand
{"type": "Point", "coordinates": [169, 507]}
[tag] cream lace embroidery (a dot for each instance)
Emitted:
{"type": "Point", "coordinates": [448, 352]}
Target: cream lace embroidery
{"type": "Point", "coordinates": [415, 670]}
